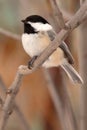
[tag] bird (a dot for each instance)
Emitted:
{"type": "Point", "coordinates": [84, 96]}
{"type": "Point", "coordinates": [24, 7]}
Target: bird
{"type": "Point", "coordinates": [38, 34]}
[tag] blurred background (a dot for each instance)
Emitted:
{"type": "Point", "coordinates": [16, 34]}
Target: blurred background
{"type": "Point", "coordinates": [34, 98]}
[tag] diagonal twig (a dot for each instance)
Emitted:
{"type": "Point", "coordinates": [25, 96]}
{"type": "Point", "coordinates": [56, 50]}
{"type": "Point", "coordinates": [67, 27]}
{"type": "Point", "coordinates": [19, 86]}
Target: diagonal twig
{"type": "Point", "coordinates": [58, 14]}
{"type": "Point", "coordinates": [16, 107]}
{"type": "Point", "coordinates": [1, 102]}
{"type": "Point", "coordinates": [81, 2]}
{"type": "Point", "coordinates": [10, 34]}
{"type": "Point", "coordinates": [68, 107]}
{"type": "Point", "coordinates": [55, 98]}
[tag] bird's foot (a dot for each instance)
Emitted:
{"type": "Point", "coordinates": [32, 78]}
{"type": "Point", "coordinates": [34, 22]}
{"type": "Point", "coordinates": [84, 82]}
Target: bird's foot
{"type": "Point", "coordinates": [30, 63]}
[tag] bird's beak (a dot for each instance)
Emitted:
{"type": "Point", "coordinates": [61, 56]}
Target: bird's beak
{"type": "Point", "coordinates": [23, 21]}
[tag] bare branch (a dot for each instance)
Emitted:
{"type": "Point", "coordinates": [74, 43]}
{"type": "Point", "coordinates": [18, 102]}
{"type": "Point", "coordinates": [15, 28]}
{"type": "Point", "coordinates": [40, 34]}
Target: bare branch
{"type": "Point", "coordinates": [71, 117]}
{"type": "Point", "coordinates": [2, 85]}
{"type": "Point", "coordinates": [1, 103]}
{"type": "Point", "coordinates": [67, 16]}
{"type": "Point", "coordinates": [81, 2]}
{"type": "Point", "coordinates": [9, 34]}
{"type": "Point", "coordinates": [58, 14]}
{"type": "Point", "coordinates": [16, 108]}
{"type": "Point", "coordinates": [23, 121]}
{"type": "Point", "coordinates": [76, 20]}
{"type": "Point", "coordinates": [56, 99]}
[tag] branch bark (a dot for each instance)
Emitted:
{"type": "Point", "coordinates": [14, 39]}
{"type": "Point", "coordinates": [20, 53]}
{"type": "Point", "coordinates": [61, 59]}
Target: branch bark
{"type": "Point", "coordinates": [58, 14]}
{"type": "Point", "coordinates": [17, 110]}
{"type": "Point", "coordinates": [76, 20]}
{"type": "Point", "coordinates": [56, 99]}
{"type": "Point", "coordinates": [81, 2]}
{"type": "Point", "coordinates": [1, 102]}
{"type": "Point", "coordinates": [10, 34]}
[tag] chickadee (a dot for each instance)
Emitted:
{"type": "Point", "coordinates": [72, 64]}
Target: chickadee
{"type": "Point", "coordinates": [38, 34]}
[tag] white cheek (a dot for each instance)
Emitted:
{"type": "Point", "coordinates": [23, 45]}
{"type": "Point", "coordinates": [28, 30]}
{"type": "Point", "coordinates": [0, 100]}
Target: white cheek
{"type": "Point", "coordinates": [40, 26]}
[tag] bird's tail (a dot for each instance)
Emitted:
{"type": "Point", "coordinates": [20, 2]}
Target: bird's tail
{"type": "Point", "coordinates": [72, 73]}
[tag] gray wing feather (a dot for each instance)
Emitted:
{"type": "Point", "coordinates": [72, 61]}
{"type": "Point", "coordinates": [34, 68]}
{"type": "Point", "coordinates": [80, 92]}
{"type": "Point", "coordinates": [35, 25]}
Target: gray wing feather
{"type": "Point", "coordinates": [67, 52]}
{"type": "Point", "coordinates": [51, 34]}
{"type": "Point", "coordinates": [63, 46]}
{"type": "Point", "coordinates": [72, 73]}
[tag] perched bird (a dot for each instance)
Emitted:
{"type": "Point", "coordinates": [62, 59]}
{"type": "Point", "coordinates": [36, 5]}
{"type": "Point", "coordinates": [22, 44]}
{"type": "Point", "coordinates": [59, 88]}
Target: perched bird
{"type": "Point", "coordinates": [38, 34]}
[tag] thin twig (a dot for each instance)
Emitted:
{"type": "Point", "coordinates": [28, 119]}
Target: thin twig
{"type": "Point", "coordinates": [9, 34]}
{"type": "Point", "coordinates": [58, 14]}
{"type": "Point", "coordinates": [68, 107]}
{"type": "Point", "coordinates": [1, 103]}
{"type": "Point", "coordinates": [23, 122]}
{"type": "Point", "coordinates": [81, 2]}
{"type": "Point", "coordinates": [56, 99]}
{"type": "Point", "coordinates": [67, 16]}
{"type": "Point", "coordinates": [19, 113]}
{"type": "Point", "coordinates": [76, 20]}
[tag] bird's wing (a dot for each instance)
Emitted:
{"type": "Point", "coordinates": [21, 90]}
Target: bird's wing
{"type": "Point", "coordinates": [67, 52]}
{"type": "Point", "coordinates": [51, 34]}
{"type": "Point", "coordinates": [72, 73]}
{"type": "Point", "coordinates": [63, 46]}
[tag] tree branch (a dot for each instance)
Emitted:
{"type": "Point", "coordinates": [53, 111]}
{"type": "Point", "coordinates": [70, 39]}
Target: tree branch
{"type": "Point", "coordinates": [81, 2]}
{"type": "Point", "coordinates": [1, 102]}
{"type": "Point", "coordinates": [10, 34]}
{"type": "Point", "coordinates": [58, 14]}
{"type": "Point", "coordinates": [56, 99]}
{"type": "Point", "coordinates": [23, 121]}
{"type": "Point", "coordinates": [67, 16]}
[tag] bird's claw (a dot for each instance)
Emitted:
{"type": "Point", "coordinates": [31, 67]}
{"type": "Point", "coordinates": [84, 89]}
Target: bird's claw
{"type": "Point", "coordinates": [30, 63]}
